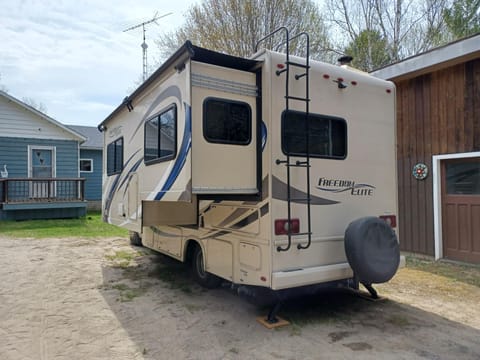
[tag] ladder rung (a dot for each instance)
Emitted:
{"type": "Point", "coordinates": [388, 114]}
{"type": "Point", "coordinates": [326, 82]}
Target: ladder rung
{"type": "Point", "coordinates": [297, 64]}
{"type": "Point", "coordinates": [297, 98]}
{"type": "Point", "coordinates": [303, 162]}
{"type": "Point", "coordinates": [298, 165]}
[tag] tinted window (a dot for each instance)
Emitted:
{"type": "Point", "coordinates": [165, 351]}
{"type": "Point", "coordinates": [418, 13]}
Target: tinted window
{"type": "Point", "coordinates": [161, 136]}
{"type": "Point", "coordinates": [115, 157]}
{"type": "Point", "coordinates": [328, 135]}
{"type": "Point", "coordinates": [227, 122]}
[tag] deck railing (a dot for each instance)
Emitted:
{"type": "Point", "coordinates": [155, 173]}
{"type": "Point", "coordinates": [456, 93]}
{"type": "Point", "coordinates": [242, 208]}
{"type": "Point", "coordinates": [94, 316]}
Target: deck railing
{"type": "Point", "coordinates": [34, 190]}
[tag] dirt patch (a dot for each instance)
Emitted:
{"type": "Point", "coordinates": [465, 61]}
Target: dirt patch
{"type": "Point", "coordinates": [103, 299]}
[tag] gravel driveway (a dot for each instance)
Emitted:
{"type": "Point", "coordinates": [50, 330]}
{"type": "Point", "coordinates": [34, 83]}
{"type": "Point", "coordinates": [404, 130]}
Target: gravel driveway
{"type": "Point", "coordinates": [103, 299]}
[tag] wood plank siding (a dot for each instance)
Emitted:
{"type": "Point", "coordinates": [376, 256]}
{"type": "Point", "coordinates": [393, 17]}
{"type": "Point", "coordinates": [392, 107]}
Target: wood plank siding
{"type": "Point", "coordinates": [437, 113]}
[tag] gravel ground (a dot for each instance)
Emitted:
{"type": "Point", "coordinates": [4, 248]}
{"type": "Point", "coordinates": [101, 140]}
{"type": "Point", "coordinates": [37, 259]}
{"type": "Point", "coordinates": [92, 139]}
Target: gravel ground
{"type": "Point", "coordinates": [103, 299]}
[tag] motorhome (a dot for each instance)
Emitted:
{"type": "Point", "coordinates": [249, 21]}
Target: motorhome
{"type": "Point", "coordinates": [257, 170]}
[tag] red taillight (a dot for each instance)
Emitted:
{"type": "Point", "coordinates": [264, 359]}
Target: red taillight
{"type": "Point", "coordinates": [282, 226]}
{"type": "Point", "coordinates": [390, 220]}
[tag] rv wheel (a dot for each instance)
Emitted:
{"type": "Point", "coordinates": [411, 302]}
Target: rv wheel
{"type": "Point", "coordinates": [372, 250]}
{"type": "Point", "coordinates": [135, 238]}
{"type": "Point", "coordinates": [204, 278]}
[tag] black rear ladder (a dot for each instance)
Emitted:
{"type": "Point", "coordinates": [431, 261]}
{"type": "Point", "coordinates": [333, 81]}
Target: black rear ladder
{"type": "Point", "coordinates": [297, 164]}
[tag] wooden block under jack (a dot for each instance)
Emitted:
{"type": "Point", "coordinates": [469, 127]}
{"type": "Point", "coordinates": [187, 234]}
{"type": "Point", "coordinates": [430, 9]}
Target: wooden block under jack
{"type": "Point", "coordinates": [281, 322]}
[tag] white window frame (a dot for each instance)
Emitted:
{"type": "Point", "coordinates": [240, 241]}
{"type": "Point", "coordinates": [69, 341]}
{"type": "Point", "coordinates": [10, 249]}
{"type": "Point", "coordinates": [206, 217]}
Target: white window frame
{"type": "Point", "coordinates": [85, 171]}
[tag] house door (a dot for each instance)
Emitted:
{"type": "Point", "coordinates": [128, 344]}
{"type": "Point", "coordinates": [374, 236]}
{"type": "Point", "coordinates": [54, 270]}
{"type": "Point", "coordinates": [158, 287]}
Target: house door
{"type": "Point", "coordinates": [42, 166]}
{"type": "Point", "coordinates": [461, 209]}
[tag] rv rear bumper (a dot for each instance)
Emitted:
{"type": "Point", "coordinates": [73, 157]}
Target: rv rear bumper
{"type": "Point", "coordinates": [310, 276]}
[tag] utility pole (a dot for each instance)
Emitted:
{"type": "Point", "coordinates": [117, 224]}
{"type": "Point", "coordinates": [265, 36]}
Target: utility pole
{"type": "Point", "coordinates": [144, 44]}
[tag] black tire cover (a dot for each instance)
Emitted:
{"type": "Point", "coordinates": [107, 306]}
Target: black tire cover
{"type": "Point", "coordinates": [372, 250]}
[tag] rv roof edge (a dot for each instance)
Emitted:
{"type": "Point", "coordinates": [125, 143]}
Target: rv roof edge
{"type": "Point", "coordinates": [197, 53]}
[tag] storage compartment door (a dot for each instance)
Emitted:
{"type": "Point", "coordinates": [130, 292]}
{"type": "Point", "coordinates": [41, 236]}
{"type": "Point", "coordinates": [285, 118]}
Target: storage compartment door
{"type": "Point", "coordinates": [224, 127]}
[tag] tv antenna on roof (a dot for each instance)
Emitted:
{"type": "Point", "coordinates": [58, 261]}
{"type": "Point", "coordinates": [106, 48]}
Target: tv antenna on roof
{"type": "Point", "coordinates": [144, 44]}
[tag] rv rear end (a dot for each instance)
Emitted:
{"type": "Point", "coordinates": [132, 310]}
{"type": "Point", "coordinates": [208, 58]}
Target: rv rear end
{"type": "Point", "coordinates": [351, 173]}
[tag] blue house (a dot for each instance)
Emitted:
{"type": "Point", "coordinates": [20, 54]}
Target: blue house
{"type": "Point", "coordinates": [90, 164]}
{"type": "Point", "coordinates": [39, 160]}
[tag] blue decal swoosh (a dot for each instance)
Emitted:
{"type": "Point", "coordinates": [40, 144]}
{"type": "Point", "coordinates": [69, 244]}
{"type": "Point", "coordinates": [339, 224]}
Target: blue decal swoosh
{"type": "Point", "coordinates": [264, 135]}
{"type": "Point", "coordinates": [115, 185]}
{"type": "Point", "coordinates": [182, 157]}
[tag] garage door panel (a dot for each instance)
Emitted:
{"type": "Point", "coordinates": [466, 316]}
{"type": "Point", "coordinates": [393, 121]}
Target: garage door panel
{"type": "Point", "coordinates": [475, 228]}
{"type": "Point", "coordinates": [451, 227]}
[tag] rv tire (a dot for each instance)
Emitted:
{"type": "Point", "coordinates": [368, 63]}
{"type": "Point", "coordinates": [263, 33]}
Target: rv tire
{"type": "Point", "coordinates": [372, 250]}
{"type": "Point", "coordinates": [204, 278]}
{"type": "Point", "coordinates": [135, 238]}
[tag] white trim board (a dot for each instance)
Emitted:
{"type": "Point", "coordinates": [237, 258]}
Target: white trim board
{"type": "Point", "coordinates": [437, 196]}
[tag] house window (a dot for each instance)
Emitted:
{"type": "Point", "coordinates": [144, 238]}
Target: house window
{"type": "Point", "coordinates": [227, 122]}
{"type": "Point", "coordinates": [161, 137]}
{"type": "Point", "coordinates": [86, 165]}
{"type": "Point", "coordinates": [115, 157]}
{"type": "Point", "coordinates": [328, 135]}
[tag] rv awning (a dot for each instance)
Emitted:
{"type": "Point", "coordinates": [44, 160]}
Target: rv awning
{"type": "Point", "coordinates": [196, 53]}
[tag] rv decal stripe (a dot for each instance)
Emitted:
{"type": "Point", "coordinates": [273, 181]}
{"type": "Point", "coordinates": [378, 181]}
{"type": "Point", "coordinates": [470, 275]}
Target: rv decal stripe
{"type": "Point", "coordinates": [182, 157]}
{"type": "Point", "coordinates": [264, 135]}
{"type": "Point", "coordinates": [127, 177]}
{"type": "Point", "coordinates": [233, 87]}
{"type": "Point", "coordinates": [171, 91]}
{"type": "Point", "coordinates": [115, 186]}
{"type": "Point", "coordinates": [245, 222]}
{"type": "Point", "coordinates": [233, 216]}
{"type": "Point", "coordinates": [280, 191]}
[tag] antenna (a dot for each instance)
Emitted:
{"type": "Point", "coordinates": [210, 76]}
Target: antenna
{"type": "Point", "coordinates": [144, 44]}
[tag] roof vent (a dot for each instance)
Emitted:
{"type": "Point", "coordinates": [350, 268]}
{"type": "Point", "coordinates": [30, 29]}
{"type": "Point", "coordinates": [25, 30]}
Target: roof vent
{"type": "Point", "coordinates": [345, 60]}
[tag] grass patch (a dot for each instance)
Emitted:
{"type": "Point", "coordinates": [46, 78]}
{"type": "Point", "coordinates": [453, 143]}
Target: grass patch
{"type": "Point", "coordinates": [469, 274]}
{"type": "Point", "coordinates": [90, 226]}
{"type": "Point", "coordinates": [127, 293]}
{"type": "Point", "coordinates": [123, 258]}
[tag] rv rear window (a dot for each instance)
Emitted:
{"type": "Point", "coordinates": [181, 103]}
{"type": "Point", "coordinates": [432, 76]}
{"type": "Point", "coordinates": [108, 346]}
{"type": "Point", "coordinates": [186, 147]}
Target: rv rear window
{"type": "Point", "coordinates": [328, 135]}
{"type": "Point", "coordinates": [227, 121]}
{"type": "Point", "coordinates": [115, 157]}
{"type": "Point", "coordinates": [161, 137]}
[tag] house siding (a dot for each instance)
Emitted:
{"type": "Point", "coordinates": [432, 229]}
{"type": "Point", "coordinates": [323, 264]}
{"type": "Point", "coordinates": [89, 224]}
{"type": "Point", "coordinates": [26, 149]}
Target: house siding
{"type": "Point", "coordinates": [18, 122]}
{"type": "Point", "coordinates": [93, 182]}
{"type": "Point", "coordinates": [437, 113]}
{"type": "Point", "coordinates": [14, 154]}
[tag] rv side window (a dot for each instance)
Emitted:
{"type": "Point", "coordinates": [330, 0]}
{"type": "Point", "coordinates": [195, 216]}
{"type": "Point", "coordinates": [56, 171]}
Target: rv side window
{"type": "Point", "coordinates": [328, 135]}
{"type": "Point", "coordinates": [161, 137]}
{"type": "Point", "coordinates": [227, 121]}
{"type": "Point", "coordinates": [115, 157]}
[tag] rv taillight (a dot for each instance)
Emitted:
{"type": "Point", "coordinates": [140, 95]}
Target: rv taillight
{"type": "Point", "coordinates": [282, 226]}
{"type": "Point", "coordinates": [390, 220]}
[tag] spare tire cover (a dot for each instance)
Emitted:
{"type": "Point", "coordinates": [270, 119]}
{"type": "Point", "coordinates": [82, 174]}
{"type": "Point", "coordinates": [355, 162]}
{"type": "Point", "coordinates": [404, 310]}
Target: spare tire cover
{"type": "Point", "coordinates": [372, 250]}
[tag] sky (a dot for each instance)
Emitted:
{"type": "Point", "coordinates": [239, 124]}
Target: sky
{"type": "Point", "coordinates": [73, 56]}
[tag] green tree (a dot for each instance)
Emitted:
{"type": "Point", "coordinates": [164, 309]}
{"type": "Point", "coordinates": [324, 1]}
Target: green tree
{"type": "Point", "coordinates": [235, 26]}
{"type": "Point", "coordinates": [369, 50]}
{"type": "Point", "coordinates": [408, 26]}
{"type": "Point", "coordinates": [463, 18]}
